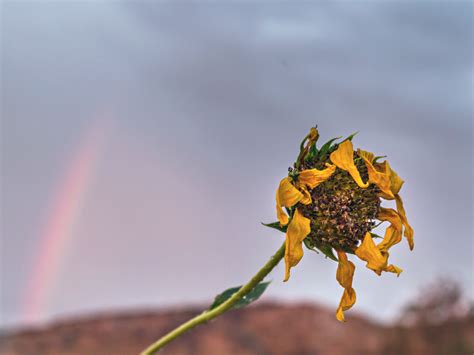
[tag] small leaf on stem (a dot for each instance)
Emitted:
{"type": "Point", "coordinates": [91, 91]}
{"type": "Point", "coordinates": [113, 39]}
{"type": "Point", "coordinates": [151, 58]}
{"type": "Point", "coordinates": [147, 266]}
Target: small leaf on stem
{"type": "Point", "coordinates": [250, 297]}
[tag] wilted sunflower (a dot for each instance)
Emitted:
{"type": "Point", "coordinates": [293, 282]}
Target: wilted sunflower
{"type": "Point", "coordinates": [332, 198]}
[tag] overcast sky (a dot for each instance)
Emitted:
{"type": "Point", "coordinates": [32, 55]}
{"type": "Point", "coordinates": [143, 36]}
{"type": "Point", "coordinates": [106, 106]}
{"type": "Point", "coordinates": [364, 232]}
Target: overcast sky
{"type": "Point", "coordinates": [201, 107]}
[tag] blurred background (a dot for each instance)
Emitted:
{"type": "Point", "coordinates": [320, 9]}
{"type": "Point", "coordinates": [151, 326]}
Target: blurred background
{"type": "Point", "coordinates": [142, 143]}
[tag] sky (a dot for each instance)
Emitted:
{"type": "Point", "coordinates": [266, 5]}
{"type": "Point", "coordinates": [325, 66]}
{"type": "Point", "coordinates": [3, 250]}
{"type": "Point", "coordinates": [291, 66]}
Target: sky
{"type": "Point", "coordinates": [142, 144]}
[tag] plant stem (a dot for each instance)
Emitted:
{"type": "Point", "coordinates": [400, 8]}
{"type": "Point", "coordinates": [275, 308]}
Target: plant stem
{"type": "Point", "coordinates": [211, 314]}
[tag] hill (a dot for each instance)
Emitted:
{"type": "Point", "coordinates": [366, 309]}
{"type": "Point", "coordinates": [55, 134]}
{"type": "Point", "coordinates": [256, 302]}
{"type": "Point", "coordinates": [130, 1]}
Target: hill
{"type": "Point", "coordinates": [266, 328]}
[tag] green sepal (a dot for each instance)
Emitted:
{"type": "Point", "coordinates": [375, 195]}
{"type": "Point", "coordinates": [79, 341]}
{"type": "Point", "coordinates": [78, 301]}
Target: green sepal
{"type": "Point", "coordinates": [309, 245]}
{"type": "Point", "coordinates": [326, 147]}
{"type": "Point", "coordinates": [327, 250]}
{"type": "Point", "coordinates": [250, 297]}
{"type": "Point", "coordinates": [351, 136]}
{"type": "Point", "coordinates": [373, 235]}
{"type": "Point", "coordinates": [313, 152]}
{"type": "Point", "coordinates": [276, 225]}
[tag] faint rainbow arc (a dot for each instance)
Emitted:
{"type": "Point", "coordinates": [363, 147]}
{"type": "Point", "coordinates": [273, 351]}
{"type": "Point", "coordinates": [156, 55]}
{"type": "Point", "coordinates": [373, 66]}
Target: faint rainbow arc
{"type": "Point", "coordinates": [63, 212]}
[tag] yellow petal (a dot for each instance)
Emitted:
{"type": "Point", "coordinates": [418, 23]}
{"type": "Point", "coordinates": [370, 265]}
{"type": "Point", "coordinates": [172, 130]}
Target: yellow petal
{"type": "Point", "coordinates": [392, 237]}
{"type": "Point", "coordinates": [312, 138]}
{"type": "Point", "coordinates": [313, 177]}
{"type": "Point", "coordinates": [365, 154]}
{"type": "Point", "coordinates": [281, 215]}
{"type": "Point", "coordinates": [369, 252]}
{"type": "Point", "coordinates": [396, 181]}
{"type": "Point", "coordinates": [395, 185]}
{"type": "Point", "coordinates": [289, 195]}
{"type": "Point", "coordinates": [408, 229]}
{"type": "Point", "coordinates": [381, 179]}
{"type": "Point", "coordinates": [344, 275]}
{"type": "Point", "coordinates": [390, 215]}
{"type": "Point", "coordinates": [376, 259]}
{"type": "Point", "coordinates": [306, 200]}
{"type": "Point", "coordinates": [298, 229]}
{"type": "Point", "coordinates": [343, 158]}
{"type": "Point", "coordinates": [307, 143]}
{"type": "Point", "coordinates": [286, 196]}
{"type": "Point", "coordinates": [313, 134]}
{"type": "Point", "coordinates": [394, 269]}
{"type": "Point", "coordinates": [393, 233]}
{"type": "Point", "coordinates": [391, 268]}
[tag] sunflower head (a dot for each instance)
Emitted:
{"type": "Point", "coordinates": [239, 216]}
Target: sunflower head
{"type": "Point", "coordinates": [332, 198]}
{"type": "Point", "coordinates": [340, 211]}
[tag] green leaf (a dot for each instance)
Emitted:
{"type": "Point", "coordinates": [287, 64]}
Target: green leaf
{"type": "Point", "coordinates": [375, 235]}
{"type": "Point", "coordinates": [327, 250]}
{"type": "Point", "coordinates": [312, 153]}
{"type": "Point", "coordinates": [308, 244]}
{"type": "Point", "coordinates": [276, 225]}
{"type": "Point", "coordinates": [351, 136]}
{"type": "Point", "coordinates": [325, 148]}
{"type": "Point", "coordinates": [250, 297]}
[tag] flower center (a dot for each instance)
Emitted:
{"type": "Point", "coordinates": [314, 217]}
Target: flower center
{"type": "Point", "coordinates": [341, 212]}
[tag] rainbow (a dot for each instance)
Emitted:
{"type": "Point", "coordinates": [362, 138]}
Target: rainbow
{"type": "Point", "coordinates": [62, 215]}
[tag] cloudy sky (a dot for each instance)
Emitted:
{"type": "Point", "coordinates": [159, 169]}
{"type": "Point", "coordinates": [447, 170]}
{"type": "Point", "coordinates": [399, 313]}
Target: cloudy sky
{"type": "Point", "coordinates": [142, 144]}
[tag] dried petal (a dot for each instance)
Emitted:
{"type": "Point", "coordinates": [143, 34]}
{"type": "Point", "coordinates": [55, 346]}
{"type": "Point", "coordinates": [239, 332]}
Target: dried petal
{"type": "Point", "coordinates": [408, 233]}
{"type": "Point", "coordinates": [298, 229]}
{"type": "Point", "coordinates": [286, 196]}
{"type": "Point", "coordinates": [343, 158]}
{"type": "Point", "coordinates": [381, 179]}
{"type": "Point", "coordinates": [369, 252]}
{"type": "Point", "coordinates": [344, 275]}
{"type": "Point", "coordinates": [313, 177]}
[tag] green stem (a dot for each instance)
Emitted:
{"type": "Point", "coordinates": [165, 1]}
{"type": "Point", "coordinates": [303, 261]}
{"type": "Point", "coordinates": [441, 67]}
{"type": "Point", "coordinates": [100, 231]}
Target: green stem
{"type": "Point", "coordinates": [211, 314]}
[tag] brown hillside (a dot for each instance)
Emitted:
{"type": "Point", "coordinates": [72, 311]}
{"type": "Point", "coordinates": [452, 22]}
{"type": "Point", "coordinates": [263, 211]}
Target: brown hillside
{"type": "Point", "coordinates": [267, 328]}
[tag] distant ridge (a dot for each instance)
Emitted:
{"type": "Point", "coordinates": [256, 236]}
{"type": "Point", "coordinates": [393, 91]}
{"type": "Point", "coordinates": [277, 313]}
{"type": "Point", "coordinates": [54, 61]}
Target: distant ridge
{"type": "Point", "coordinates": [266, 328]}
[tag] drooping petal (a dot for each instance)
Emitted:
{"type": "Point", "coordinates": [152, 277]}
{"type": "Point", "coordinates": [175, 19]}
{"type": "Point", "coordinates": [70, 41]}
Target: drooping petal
{"type": "Point", "coordinates": [281, 215]}
{"type": "Point", "coordinates": [289, 194]}
{"type": "Point", "coordinates": [286, 196]}
{"type": "Point", "coordinates": [344, 275]}
{"type": "Point", "coordinates": [390, 215]}
{"type": "Point", "coordinates": [306, 200]}
{"type": "Point", "coordinates": [298, 229]}
{"type": "Point", "coordinates": [377, 260]}
{"type": "Point", "coordinates": [408, 233]}
{"type": "Point", "coordinates": [312, 138]}
{"type": "Point", "coordinates": [395, 269]}
{"type": "Point", "coordinates": [396, 181]}
{"type": "Point", "coordinates": [391, 268]}
{"type": "Point", "coordinates": [365, 154]}
{"type": "Point", "coordinates": [343, 158]}
{"type": "Point", "coordinates": [314, 177]}
{"type": "Point", "coordinates": [313, 134]}
{"type": "Point", "coordinates": [369, 252]}
{"type": "Point", "coordinates": [307, 143]}
{"type": "Point", "coordinates": [381, 179]}
{"type": "Point", "coordinates": [393, 233]}
{"type": "Point", "coordinates": [392, 237]}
